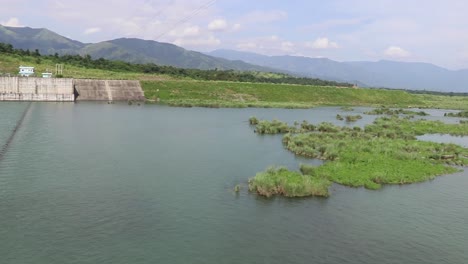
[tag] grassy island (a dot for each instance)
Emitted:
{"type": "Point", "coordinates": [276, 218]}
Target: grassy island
{"type": "Point", "coordinates": [281, 181]}
{"type": "Point", "coordinates": [385, 152]}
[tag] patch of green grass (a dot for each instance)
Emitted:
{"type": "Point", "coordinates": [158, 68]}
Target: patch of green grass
{"type": "Point", "coordinates": [237, 94]}
{"type": "Point", "coordinates": [399, 126]}
{"type": "Point", "coordinates": [234, 94]}
{"type": "Point", "coordinates": [359, 160]}
{"type": "Point", "coordinates": [281, 181]}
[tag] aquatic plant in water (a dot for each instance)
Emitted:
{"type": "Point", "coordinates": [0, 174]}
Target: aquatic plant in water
{"type": "Point", "coordinates": [459, 114]}
{"type": "Point", "coordinates": [384, 152]}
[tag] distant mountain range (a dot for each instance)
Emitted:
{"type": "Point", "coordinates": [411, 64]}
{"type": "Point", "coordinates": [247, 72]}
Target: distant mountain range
{"type": "Point", "coordinates": [388, 74]}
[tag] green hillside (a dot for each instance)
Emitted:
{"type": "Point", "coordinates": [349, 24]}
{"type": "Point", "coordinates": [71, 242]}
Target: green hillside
{"type": "Point", "coordinates": [124, 49]}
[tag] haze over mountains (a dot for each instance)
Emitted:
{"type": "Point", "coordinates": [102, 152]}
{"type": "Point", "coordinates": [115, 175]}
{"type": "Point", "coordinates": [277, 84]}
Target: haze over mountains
{"type": "Point", "coordinates": [389, 74]}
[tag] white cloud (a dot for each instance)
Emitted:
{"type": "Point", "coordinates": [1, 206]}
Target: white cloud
{"type": "Point", "coordinates": [287, 46]}
{"type": "Point", "coordinates": [265, 16]}
{"type": "Point", "coordinates": [268, 45]}
{"type": "Point", "coordinates": [335, 23]}
{"type": "Point", "coordinates": [246, 46]}
{"type": "Point", "coordinates": [188, 32]}
{"type": "Point", "coordinates": [92, 30]}
{"type": "Point", "coordinates": [218, 25]}
{"type": "Point", "coordinates": [236, 27]}
{"type": "Point", "coordinates": [322, 43]}
{"type": "Point", "coordinates": [396, 52]}
{"type": "Point", "coordinates": [12, 22]}
{"type": "Point", "coordinates": [211, 41]}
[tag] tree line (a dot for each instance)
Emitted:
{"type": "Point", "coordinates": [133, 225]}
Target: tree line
{"type": "Point", "coordinates": [151, 68]}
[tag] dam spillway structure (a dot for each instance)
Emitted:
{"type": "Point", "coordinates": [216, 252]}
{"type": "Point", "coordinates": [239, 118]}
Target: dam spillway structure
{"type": "Point", "coordinates": [68, 90]}
{"type": "Point", "coordinates": [108, 90]}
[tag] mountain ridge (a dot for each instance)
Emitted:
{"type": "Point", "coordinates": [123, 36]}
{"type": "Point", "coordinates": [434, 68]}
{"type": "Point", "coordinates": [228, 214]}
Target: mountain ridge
{"type": "Point", "coordinates": [126, 49]}
{"type": "Point", "coordinates": [380, 74]}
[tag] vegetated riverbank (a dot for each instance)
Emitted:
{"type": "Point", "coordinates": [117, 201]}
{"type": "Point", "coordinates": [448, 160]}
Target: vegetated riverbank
{"type": "Point", "coordinates": [188, 93]}
{"type": "Point", "coordinates": [385, 152]}
{"type": "Point", "coordinates": [187, 87]}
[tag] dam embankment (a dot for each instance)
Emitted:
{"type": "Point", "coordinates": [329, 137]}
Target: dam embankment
{"type": "Point", "coordinates": [36, 89]}
{"type": "Point", "coordinates": [68, 90]}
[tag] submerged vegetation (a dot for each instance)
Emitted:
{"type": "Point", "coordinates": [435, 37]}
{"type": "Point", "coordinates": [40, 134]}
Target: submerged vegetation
{"type": "Point", "coordinates": [389, 111]}
{"type": "Point", "coordinates": [385, 152]}
{"type": "Point", "coordinates": [459, 114]}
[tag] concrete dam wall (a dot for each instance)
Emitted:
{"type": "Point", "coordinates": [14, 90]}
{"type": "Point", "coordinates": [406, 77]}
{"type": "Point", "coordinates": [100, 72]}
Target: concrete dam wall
{"type": "Point", "coordinates": [108, 90]}
{"type": "Point", "coordinates": [36, 89]}
{"type": "Point", "coordinates": [68, 90]}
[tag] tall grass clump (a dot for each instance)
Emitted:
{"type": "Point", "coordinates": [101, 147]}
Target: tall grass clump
{"type": "Point", "coordinates": [253, 120]}
{"type": "Point", "coordinates": [352, 118]}
{"type": "Point", "coordinates": [273, 127]}
{"type": "Point", "coordinates": [281, 181]}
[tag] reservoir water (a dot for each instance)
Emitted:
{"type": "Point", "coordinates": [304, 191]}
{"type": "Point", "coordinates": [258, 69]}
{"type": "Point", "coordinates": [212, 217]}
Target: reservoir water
{"type": "Point", "coordinates": [99, 183]}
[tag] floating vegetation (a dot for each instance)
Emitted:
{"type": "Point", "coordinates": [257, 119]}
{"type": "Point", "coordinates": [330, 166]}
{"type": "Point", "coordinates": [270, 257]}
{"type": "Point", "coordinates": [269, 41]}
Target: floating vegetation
{"type": "Point", "coordinates": [281, 181]}
{"type": "Point", "coordinates": [389, 111]}
{"type": "Point", "coordinates": [459, 114]}
{"type": "Point", "coordinates": [353, 118]}
{"type": "Point", "coordinates": [349, 118]}
{"type": "Point", "coordinates": [463, 121]}
{"type": "Point", "coordinates": [347, 108]}
{"type": "Point", "coordinates": [384, 152]}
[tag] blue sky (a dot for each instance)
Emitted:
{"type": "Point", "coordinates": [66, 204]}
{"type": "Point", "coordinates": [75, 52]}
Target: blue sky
{"type": "Point", "coordinates": [411, 30]}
